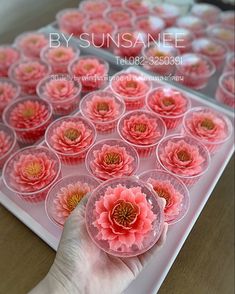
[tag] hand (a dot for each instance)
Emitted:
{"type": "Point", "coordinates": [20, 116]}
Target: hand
{"type": "Point", "coordinates": [80, 267]}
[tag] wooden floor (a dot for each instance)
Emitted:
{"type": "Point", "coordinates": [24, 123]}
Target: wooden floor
{"type": "Point", "coordinates": [205, 265]}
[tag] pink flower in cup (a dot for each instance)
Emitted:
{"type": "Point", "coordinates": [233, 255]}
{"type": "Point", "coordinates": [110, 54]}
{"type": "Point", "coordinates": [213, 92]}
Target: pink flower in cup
{"type": "Point", "coordinates": [167, 101]}
{"type": "Point", "coordinates": [181, 158]}
{"type": "Point", "coordinates": [174, 198]}
{"type": "Point", "coordinates": [139, 7]}
{"type": "Point", "coordinates": [28, 114]}
{"type": "Point", "coordinates": [120, 16]}
{"type": "Point", "coordinates": [141, 130]}
{"type": "Point", "coordinates": [31, 43]}
{"type": "Point", "coordinates": [130, 85]}
{"type": "Point", "coordinates": [124, 217]}
{"type": "Point", "coordinates": [94, 9]}
{"type": "Point", "coordinates": [8, 56]}
{"type": "Point", "coordinates": [8, 92]}
{"type": "Point", "coordinates": [206, 125]}
{"type": "Point", "coordinates": [33, 172]}
{"type": "Point", "coordinates": [229, 84]}
{"type": "Point", "coordinates": [5, 143]}
{"type": "Point", "coordinates": [68, 198]}
{"type": "Point", "coordinates": [71, 137]}
{"type": "Point", "coordinates": [102, 109]}
{"type": "Point", "coordinates": [91, 72]}
{"type": "Point", "coordinates": [111, 161]}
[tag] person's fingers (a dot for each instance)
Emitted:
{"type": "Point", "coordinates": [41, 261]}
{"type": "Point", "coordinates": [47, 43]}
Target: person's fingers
{"type": "Point", "coordinates": [145, 257]}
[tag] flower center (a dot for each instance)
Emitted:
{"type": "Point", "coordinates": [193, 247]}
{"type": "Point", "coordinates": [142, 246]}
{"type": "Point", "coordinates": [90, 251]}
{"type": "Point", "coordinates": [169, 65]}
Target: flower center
{"type": "Point", "coordinates": [29, 69]}
{"type": "Point", "coordinates": [59, 53]}
{"type": "Point", "coordinates": [211, 48]}
{"type": "Point", "coordinates": [131, 84]}
{"type": "Point", "coordinates": [33, 41]}
{"type": "Point", "coordinates": [2, 56]}
{"type": "Point", "coordinates": [128, 37]}
{"type": "Point", "coordinates": [28, 112]}
{"type": "Point", "coordinates": [60, 86]}
{"type": "Point", "coordinates": [88, 66]}
{"type": "Point", "coordinates": [102, 106]}
{"type": "Point", "coordinates": [72, 134]}
{"type": "Point", "coordinates": [168, 101]}
{"type": "Point", "coordinates": [33, 169]}
{"type": "Point", "coordinates": [159, 54]}
{"type": "Point", "coordinates": [141, 128]}
{"type": "Point", "coordinates": [208, 124]}
{"type": "Point", "coordinates": [183, 155]}
{"type": "Point", "coordinates": [124, 214]}
{"type": "Point", "coordinates": [162, 193]}
{"type": "Point", "coordinates": [112, 158]}
{"type": "Point", "coordinates": [74, 200]}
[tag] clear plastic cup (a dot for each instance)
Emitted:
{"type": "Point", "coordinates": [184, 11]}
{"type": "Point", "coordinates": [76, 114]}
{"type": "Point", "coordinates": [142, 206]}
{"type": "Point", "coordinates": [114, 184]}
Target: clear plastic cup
{"type": "Point", "coordinates": [103, 109]}
{"type": "Point", "coordinates": [8, 56]}
{"type": "Point", "coordinates": [132, 87]}
{"type": "Point", "coordinates": [59, 57]}
{"type": "Point", "coordinates": [170, 104]}
{"type": "Point", "coordinates": [222, 33]}
{"type": "Point", "coordinates": [158, 58]}
{"type": "Point", "coordinates": [183, 5]}
{"type": "Point", "coordinates": [207, 12]}
{"type": "Point", "coordinates": [112, 158]}
{"type": "Point", "coordinates": [229, 63]}
{"type": "Point", "coordinates": [138, 7]}
{"type": "Point", "coordinates": [71, 21]}
{"type": "Point", "coordinates": [184, 157]}
{"type": "Point", "coordinates": [121, 17]}
{"type": "Point", "coordinates": [8, 143]}
{"type": "Point", "coordinates": [29, 117]}
{"type": "Point", "coordinates": [225, 90]}
{"type": "Point", "coordinates": [192, 23]}
{"type": "Point", "coordinates": [208, 126]}
{"type": "Point", "coordinates": [31, 43]}
{"type": "Point", "coordinates": [228, 18]}
{"type": "Point", "coordinates": [62, 92]}
{"type": "Point", "coordinates": [91, 71]}
{"type": "Point", "coordinates": [143, 130]}
{"type": "Point", "coordinates": [172, 189]}
{"type": "Point", "coordinates": [180, 38]}
{"type": "Point", "coordinates": [99, 32]}
{"type": "Point", "coordinates": [66, 194]}
{"type": "Point", "coordinates": [9, 91]}
{"type": "Point", "coordinates": [213, 49]}
{"type": "Point", "coordinates": [135, 194]}
{"type": "Point", "coordinates": [151, 25]}
{"type": "Point", "coordinates": [168, 12]}
{"type": "Point", "coordinates": [30, 172]}
{"type": "Point", "coordinates": [28, 73]}
{"type": "Point", "coordinates": [128, 43]}
{"type": "Point", "coordinates": [195, 70]}
{"type": "Point", "coordinates": [94, 9]}
{"type": "Point", "coordinates": [70, 138]}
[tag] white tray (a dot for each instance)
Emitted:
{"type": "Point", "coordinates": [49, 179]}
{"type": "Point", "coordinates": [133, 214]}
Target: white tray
{"type": "Point", "coordinates": [151, 278]}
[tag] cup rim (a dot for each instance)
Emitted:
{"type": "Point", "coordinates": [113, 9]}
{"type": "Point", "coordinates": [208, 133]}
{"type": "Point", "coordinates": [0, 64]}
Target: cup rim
{"type": "Point", "coordinates": [208, 158]}
{"type": "Point", "coordinates": [146, 113]}
{"type": "Point", "coordinates": [42, 189]}
{"type": "Point", "coordinates": [14, 141]}
{"type": "Point", "coordinates": [20, 100]}
{"type": "Point", "coordinates": [221, 79]}
{"type": "Point", "coordinates": [16, 86]}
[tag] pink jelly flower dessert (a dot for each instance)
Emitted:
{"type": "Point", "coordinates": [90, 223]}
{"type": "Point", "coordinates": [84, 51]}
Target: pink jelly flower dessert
{"type": "Point", "coordinates": [222, 33]}
{"type": "Point", "coordinates": [28, 73]}
{"type": "Point", "coordinates": [71, 137]}
{"type": "Point", "coordinates": [33, 172]}
{"type": "Point", "coordinates": [230, 63]}
{"type": "Point", "coordinates": [140, 129]}
{"type": "Point", "coordinates": [94, 9]}
{"type": "Point", "coordinates": [8, 56]}
{"type": "Point", "coordinates": [129, 42]}
{"type": "Point", "coordinates": [208, 12]}
{"type": "Point", "coordinates": [112, 161]}
{"type": "Point", "coordinates": [67, 199]}
{"type": "Point", "coordinates": [71, 20]}
{"type": "Point", "coordinates": [182, 158]}
{"type": "Point", "coordinates": [193, 24]}
{"type": "Point", "coordinates": [168, 12]}
{"type": "Point", "coordinates": [228, 18]}
{"type": "Point", "coordinates": [59, 58]}
{"type": "Point", "coordinates": [174, 198]}
{"type": "Point", "coordinates": [151, 25]}
{"type": "Point", "coordinates": [120, 17]}
{"type": "Point", "coordinates": [99, 32]}
{"type": "Point", "coordinates": [230, 84]}
{"type": "Point", "coordinates": [8, 92]}
{"type": "Point", "coordinates": [90, 71]}
{"type": "Point", "coordinates": [124, 217]}
{"type": "Point", "coordinates": [5, 143]}
{"type": "Point", "coordinates": [225, 92]}
{"type": "Point", "coordinates": [31, 43]}
{"type": "Point", "coordinates": [139, 7]}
